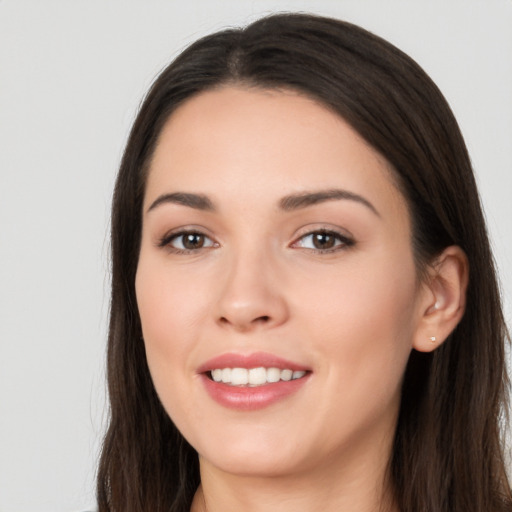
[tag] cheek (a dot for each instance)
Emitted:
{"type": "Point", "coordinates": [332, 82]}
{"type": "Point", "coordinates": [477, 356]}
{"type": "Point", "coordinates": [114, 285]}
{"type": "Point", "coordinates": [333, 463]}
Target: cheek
{"type": "Point", "coordinates": [171, 312]}
{"type": "Point", "coordinates": [168, 302]}
{"type": "Point", "coordinates": [365, 293]}
{"type": "Point", "coordinates": [364, 323]}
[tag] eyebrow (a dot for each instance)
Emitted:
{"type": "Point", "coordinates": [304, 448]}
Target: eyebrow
{"type": "Point", "coordinates": [305, 199]}
{"type": "Point", "coordinates": [288, 203]}
{"type": "Point", "coordinates": [197, 201]}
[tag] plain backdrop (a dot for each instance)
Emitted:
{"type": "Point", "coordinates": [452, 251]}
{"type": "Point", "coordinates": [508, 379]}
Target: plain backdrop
{"type": "Point", "coordinates": [72, 74]}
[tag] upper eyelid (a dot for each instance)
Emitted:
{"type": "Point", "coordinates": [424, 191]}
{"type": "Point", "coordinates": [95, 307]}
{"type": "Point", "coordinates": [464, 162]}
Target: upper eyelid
{"type": "Point", "coordinates": [184, 230]}
{"type": "Point", "coordinates": [324, 228]}
{"type": "Point", "coordinates": [347, 240]}
{"type": "Point", "coordinates": [308, 230]}
{"type": "Point", "coordinates": [339, 236]}
{"type": "Point", "coordinates": [166, 240]}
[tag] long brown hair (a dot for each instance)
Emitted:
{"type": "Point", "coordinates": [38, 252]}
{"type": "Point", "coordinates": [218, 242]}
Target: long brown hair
{"type": "Point", "coordinates": [448, 453]}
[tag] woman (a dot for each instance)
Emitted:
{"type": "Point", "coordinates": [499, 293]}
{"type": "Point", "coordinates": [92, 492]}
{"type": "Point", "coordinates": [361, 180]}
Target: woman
{"type": "Point", "coordinates": [304, 309]}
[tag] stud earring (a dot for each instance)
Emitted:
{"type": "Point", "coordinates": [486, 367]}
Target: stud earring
{"type": "Point", "coordinates": [432, 339]}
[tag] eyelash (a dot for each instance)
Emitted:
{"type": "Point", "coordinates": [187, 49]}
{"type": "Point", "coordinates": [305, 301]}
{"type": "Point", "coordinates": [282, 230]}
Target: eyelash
{"type": "Point", "coordinates": [341, 241]}
{"type": "Point", "coordinates": [167, 240]}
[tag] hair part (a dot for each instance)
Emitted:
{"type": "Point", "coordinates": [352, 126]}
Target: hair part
{"type": "Point", "coordinates": [448, 452]}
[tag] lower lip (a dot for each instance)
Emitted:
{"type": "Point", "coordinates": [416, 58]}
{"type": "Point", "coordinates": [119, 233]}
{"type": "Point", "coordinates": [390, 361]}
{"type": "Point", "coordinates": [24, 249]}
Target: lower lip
{"type": "Point", "coordinates": [251, 398]}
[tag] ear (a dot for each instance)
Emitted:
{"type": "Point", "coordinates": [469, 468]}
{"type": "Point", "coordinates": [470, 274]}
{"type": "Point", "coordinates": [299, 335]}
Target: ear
{"type": "Point", "coordinates": [443, 300]}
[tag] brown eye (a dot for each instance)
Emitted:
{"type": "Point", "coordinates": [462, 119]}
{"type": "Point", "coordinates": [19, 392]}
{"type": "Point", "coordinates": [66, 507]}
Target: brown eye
{"type": "Point", "coordinates": [187, 241]}
{"type": "Point", "coordinates": [193, 241]}
{"type": "Point", "coordinates": [324, 241]}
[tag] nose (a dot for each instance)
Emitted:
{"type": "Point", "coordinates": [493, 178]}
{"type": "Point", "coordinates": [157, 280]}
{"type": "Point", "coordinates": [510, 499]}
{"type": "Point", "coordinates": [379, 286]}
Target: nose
{"type": "Point", "coordinates": [252, 296]}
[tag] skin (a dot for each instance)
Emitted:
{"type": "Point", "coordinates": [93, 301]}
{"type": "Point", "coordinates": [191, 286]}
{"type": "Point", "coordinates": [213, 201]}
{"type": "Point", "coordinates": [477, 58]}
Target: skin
{"type": "Point", "coordinates": [350, 315]}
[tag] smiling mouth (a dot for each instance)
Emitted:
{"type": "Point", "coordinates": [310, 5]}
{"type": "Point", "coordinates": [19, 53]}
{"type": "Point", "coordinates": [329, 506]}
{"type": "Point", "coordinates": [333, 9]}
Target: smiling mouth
{"type": "Point", "coordinates": [253, 377]}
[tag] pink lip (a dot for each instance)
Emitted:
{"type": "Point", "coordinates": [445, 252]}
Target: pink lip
{"type": "Point", "coordinates": [254, 360]}
{"type": "Point", "coordinates": [250, 398]}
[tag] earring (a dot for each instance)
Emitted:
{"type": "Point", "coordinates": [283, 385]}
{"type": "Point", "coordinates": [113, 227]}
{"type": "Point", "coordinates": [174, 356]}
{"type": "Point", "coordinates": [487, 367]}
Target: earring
{"type": "Point", "coordinates": [432, 339]}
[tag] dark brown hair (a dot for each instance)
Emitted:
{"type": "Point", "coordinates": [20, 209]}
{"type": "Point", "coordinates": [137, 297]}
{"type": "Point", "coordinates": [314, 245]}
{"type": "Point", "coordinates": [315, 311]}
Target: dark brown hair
{"type": "Point", "coordinates": [447, 455]}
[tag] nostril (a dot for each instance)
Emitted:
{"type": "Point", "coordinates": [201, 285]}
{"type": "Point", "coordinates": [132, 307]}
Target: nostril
{"type": "Point", "coordinates": [245, 322]}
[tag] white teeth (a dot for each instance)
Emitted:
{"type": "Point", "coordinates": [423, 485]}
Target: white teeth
{"type": "Point", "coordinates": [257, 376]}
{"type": "Point", "coordinates": [286, 375]}
{"type": "Point", "coordinates": [254, 376]}
{"type": "Point", "coordinates": [273, 375]}
{"type": "Point", "coordinates": [239, 376]}
{"type": "Point", "coordinates": [226, 375]}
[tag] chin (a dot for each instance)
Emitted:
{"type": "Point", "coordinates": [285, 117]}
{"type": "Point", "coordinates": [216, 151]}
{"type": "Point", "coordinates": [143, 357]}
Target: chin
{"type": "Point", "coordinates": [254, 464]}
{"type": "Point", "coordinates": [253, 455]}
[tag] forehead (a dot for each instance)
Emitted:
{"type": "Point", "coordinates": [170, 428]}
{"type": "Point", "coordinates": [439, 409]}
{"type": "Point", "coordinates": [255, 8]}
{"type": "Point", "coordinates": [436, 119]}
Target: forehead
{"type": "Point", "coordinates": [236, 142]}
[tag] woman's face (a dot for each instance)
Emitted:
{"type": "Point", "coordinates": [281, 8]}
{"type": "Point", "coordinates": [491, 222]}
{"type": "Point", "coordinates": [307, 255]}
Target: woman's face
{"type": "Point", "coordinates": [276, 284]}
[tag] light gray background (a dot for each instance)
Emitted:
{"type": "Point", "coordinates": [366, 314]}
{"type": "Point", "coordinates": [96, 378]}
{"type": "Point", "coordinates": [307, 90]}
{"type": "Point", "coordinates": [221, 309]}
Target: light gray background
{"type": "Point", "coordinates": [72, 74]}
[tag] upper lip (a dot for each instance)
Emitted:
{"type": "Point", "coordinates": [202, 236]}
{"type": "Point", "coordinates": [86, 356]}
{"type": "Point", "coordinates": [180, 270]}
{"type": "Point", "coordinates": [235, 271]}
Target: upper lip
{"type": "Point", "coordinates": [254, 360]}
